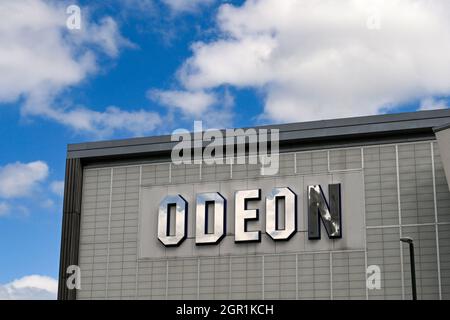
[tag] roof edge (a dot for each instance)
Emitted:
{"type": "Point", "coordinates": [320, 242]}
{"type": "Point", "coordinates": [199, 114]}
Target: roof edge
{"type": "Point", "coordinates": [308, 125]}
{"type": "Point", "coordinates": [377, 125]}
{"type": "Point", "coordinates": [440, 128]}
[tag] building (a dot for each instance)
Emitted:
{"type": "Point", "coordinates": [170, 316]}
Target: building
{"type": "Point", "coordinates": [391, 173]}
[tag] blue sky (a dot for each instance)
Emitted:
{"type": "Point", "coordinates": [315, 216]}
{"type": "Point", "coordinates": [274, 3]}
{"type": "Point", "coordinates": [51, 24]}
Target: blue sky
{"type": "Point", "coordinates": [148, 67]}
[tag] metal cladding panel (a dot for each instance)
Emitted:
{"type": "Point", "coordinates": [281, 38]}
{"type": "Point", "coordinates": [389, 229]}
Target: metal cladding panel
{"type": "Point", "coordinates": [441, 187]}
{"type": "Point", "coordinates": [443, 140]}
{"type": "Point", "coordinates": [444, 259]}
{"type": "Point", "coordinates": [388, 191]}
{"type": "Point", "coordinates": [426, 263]}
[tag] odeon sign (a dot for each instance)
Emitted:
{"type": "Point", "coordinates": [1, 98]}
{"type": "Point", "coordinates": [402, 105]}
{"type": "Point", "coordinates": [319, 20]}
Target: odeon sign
{"type": "Point", "coordinates": [319, 209]}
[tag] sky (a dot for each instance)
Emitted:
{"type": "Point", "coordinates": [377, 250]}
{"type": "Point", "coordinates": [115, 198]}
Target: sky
{"type": "Point", "coordinates": [140, 68]}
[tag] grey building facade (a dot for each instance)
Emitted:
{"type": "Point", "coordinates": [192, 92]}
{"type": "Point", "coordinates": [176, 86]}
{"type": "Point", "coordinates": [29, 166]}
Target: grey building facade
{"type": "Point", "coordinates": [393, 184]}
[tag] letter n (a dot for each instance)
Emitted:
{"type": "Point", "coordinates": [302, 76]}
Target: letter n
{"type": "Point", "coordinates": [320, 209]}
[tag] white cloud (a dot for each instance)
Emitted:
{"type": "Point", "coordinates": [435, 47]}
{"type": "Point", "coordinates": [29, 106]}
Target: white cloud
{"type": "Point", "coordinates": [138, 122]}
{"type": "Point", "coordinates": [38, 53]}
{"type": "Point", "coordinates": [33, 53]}
{"type": "Point", "coordinates": [141, 7]}
{"type": "Point", "coordinates": [57, 187]}
{"type": "Point", "coordinates": [100, 124]}
{"type": "Point", "coordinates": [189, 102]}
{"type": "Point", "coordinates": [47, 204]}
{"type": "Point", "coordinates": [149, 7]}
{"type": "Point", "coordinates": [33, 287]}
{"type": "Point", "coordinates": [40, 58]}
{"type": "Point", "coordinates": [104, 35]}
{"type": "Point", "coordinates": [4, 208]}
{"type": "Point", "coordinates": [433, 104]}
{"type": "Point", "coordinates": [321, 59]}
{"type": "Point", "coordinates": [178, 6]}
{"type": "Point", "coordinates": [221, 115]}
{"type": "Point", "coordinates": [19, 179]}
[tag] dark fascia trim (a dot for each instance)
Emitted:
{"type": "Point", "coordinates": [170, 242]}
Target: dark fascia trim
{"type": "Point", "coordinates": [307, 132]}
{"type": "Point", "coordinates": [440, 128]}
{"type": "Point", "coordinates": [103, 162]}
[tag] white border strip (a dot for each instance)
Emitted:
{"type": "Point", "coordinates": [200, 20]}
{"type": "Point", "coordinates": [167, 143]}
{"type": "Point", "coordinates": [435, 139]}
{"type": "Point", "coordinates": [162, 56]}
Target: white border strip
{"type": "Point", "coordinates": [438, 258]}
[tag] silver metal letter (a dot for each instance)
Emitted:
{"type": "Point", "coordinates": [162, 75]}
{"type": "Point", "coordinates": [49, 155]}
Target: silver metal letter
{"type": "Point", "coordinates": [290, 214]}
{"type": "Point", "coordinates": [202, 236]}
{"type": "Point", "coordinates": [181, 209]}
{"type": "Point", "coordinates": [318, 209]}
{"type": "Point", "coordinates": [242, 214]}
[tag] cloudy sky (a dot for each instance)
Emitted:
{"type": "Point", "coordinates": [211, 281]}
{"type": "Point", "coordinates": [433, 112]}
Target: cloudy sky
{"type": "Point", "coordinates": [147, 67]}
